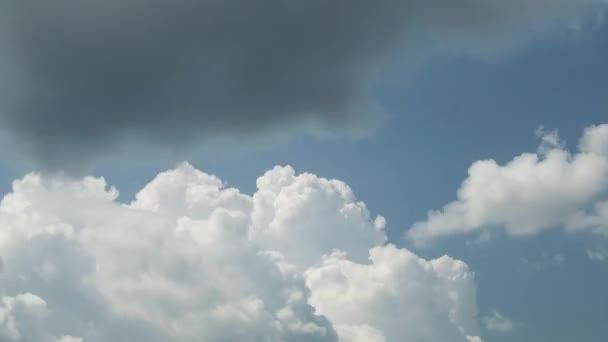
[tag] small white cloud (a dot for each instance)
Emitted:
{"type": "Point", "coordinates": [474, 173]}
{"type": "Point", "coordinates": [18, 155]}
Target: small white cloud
{"type": "Point", "coordinates": [594, 220]}
{"type": "Point", "coordinates": [68, 338]}
{"type": "Point", "coordinates": [599, 254]}
{"type": "Point", "coordinates": [549, 140]}
{"type": "Point", "coordinates": [497, 322]}
{"type": "Point", "coordinates": [531, 193]}
{"type": "Point", "coordinates": [545, 260]}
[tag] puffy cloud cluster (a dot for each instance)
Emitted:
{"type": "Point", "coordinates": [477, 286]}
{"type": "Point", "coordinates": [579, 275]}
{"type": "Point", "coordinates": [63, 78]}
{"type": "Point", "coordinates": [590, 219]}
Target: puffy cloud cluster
{"type": "Point", "coordinates": [191, 260]}
{"type": "Point", "coordinates": [83, 76]}
{"type": "Point", "coordinates": [552, 188]}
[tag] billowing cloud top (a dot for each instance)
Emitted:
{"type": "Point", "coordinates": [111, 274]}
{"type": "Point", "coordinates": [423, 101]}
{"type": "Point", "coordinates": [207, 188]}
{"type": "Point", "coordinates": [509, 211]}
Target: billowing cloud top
{"type": "Point", "coordinates": [190, 260]}
{"type": "Point", "coordinates": [78, 77]}
{"type": "Point", "coordinates": [552, 188]}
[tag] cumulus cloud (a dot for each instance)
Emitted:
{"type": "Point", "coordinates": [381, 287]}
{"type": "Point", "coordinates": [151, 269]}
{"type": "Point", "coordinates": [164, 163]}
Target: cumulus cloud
{"type": "Point", "coordinates": [379, 300]}
{"type": "Point", "coordinates": [533, 192]}
{"type": "Point", "coordinates": [80, 77]}
{"type": "Point", "coordinates": [192, 260]}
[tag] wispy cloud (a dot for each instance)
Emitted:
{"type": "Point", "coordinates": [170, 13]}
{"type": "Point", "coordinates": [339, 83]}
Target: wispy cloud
{"type": "Point", "coordinates": [498, 323]}
{"type": "Point", "coordinates": [546, 260]}
{"type": "Point", "coordinates": [599, 254]}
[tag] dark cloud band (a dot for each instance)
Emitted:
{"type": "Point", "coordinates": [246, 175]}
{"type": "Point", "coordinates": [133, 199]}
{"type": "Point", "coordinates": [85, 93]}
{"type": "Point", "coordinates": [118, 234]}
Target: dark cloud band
{"type": "Point", "coordinates": [82, 75]}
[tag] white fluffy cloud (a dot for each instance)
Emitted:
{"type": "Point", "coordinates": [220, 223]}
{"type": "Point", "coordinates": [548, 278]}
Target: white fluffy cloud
{"type": "Point", "coordinates": [192, 260]}
{"type": "Point", "coordinates": [397, 297]}
{"type": "Point", "coordinates": [531, 193]}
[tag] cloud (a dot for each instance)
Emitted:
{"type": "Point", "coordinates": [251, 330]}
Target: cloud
{"type": "Point", "coordinates": [192, 260]}
{"type": "Point", "coordinates": [69, 339]}
{"type": "Point", "coordinates": [81, 78]}
{"type": "Point", "coordinates": [595, 220]}
{"type": "Point", "coordinates": [497, 322]}
{"type": "Point", "coordinates": [546, 260]}
{"type": "Point", "coordinates": [599, 254]}
{"type": "Point", "coordinates": [529, 194]}
{"type": "Point", "coordinates": [549, 140]}
{"type": "Point", "coordinates": [595, 140]}
{"type": "Point", "coordinates": [392, 294]}
{"type": "Point", "coordinates": [19, 317]}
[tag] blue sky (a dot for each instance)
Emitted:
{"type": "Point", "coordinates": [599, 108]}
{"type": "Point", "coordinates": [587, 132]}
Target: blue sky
{"type": "Point", "coordinates": [445, 114]}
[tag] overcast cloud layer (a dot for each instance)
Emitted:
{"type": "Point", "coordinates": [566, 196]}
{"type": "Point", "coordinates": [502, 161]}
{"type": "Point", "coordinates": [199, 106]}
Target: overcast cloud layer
{"type": "Point", "coordinates": [189, 260]}
{"type": "Point", "coordinates": [550, 189]}
{"type": "Point", "coordinates": [80, 76]}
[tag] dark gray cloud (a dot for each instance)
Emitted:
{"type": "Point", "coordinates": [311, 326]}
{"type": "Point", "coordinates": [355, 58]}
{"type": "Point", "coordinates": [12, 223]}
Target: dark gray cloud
{"type": "Point", "coordinates": [80, 76]}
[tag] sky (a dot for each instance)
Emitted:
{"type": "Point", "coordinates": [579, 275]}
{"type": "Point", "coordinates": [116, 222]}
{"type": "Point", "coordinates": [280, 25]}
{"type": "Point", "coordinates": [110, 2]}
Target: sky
{"type": "Point", "coordinates": [329, 171]}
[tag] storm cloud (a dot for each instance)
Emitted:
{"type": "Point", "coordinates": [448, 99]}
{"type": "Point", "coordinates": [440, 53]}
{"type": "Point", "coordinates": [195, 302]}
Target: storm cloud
{"type": "Point", "coordinates": [81, 76]}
